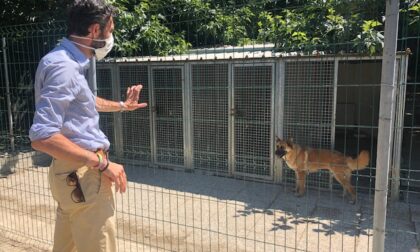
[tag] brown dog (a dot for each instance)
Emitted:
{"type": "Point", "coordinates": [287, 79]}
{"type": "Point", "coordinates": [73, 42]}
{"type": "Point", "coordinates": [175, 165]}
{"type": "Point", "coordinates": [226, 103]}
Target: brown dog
{"type": "Point", "coordinates": [306, 160]}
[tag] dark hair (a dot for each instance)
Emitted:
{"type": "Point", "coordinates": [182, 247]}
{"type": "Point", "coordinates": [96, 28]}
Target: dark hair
{"type": "Point", "coordinates": [84, 13]}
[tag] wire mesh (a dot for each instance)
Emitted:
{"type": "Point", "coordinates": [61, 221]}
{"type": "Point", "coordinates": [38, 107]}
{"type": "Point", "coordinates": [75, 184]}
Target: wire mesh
{"type": "Point", "coordinates": [104, 77]}
{"type": "Point", "coordinates": [224, 89]}
{"type": "Point", "coordinates": [309, 110]}
{"type": "Point", "coordinates": [252, 111]}
{"type": "Point", "coordinates": [167, 88]}
{"type": "Point", "coordinates": [136, 125]}
{"type": "Point", "coordinates": [210, 101]}
{"type": "Point", "coordinates": [26, 206]}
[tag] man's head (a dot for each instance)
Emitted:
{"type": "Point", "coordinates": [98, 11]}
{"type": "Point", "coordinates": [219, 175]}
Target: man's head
{"type": "Point", "coordinates": [90, 26]}
{"type": "Point", "coordinates": [86, 17]}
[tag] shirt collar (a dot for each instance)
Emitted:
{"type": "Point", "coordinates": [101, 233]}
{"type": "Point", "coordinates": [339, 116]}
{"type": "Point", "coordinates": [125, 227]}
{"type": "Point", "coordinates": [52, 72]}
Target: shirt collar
{"type": "Point", "coordinates": [75, 52]}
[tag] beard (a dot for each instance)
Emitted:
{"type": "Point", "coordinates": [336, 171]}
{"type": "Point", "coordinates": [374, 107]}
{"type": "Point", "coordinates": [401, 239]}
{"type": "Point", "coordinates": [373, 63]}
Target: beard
{"type": "Point", "coordinates": [98, 44]}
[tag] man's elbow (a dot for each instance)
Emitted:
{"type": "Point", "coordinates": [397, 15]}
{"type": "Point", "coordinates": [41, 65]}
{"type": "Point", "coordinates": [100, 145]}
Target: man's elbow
{"type": "Point", "coordinates": [36, 145]}
{"type": "Point", "coordinates": [41, 144]}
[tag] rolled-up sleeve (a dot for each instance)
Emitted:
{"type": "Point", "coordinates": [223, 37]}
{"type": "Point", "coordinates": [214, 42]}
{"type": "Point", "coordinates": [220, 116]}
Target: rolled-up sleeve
{"type": "Point", "coordinates": [57, 89]}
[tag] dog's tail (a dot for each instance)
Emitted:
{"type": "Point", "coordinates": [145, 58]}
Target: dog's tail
{"type": "Point", "coordinates": [360, 162]}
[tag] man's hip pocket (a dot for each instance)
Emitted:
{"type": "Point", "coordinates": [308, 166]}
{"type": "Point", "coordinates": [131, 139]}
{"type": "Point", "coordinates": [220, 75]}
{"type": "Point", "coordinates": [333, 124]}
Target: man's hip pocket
{"type": "Point", "coordinates": [78, 187]}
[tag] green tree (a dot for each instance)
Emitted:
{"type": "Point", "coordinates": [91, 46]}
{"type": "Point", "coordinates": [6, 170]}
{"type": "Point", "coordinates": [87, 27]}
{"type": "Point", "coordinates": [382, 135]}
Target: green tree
{"type": "Point", "coordinates": [14, 12]}
{"type": "Point", "coordinates": [162, 27]}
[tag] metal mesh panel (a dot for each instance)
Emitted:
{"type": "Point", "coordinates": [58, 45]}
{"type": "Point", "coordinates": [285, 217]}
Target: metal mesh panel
{"type": "Point", "coordinates": [104, 83]}
{"type": "Point", "coordinates": [210, 116]}
{"type": "Point", "coordinates": [26, 206]}
{"type": "Point", "coordinates": [5, 140]}
{"type": "Point", "coordinates": [167, 85]}
{"type": "Point", "coordinates": [358, 95]}
{"type": "Point", "coordinates": [308, 109]}
{"type": "Point", "coordinates": [252, 102]}
{"type": "Point", "coordinates": [136, 124]}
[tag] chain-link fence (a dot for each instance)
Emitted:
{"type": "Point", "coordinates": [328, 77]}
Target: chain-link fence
{"type": "Point", "coordinates": [200, 159]}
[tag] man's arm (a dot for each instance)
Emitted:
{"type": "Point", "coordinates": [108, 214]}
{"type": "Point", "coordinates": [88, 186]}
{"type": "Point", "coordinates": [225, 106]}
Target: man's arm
{"type": "Point", "coordinates": [60, 147]}
{"type": "Point", "coordinates": [103, 105]}
{"type": "Point", "coordinates": [133, 93]}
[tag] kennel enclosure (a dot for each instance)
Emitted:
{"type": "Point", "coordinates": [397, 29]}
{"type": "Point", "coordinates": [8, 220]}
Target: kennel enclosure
{"type": "Point", "coordinates": [219, 113]}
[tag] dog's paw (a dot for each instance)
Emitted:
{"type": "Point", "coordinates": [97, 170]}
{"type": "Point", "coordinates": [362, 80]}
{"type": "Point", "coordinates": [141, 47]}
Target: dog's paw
{"type": "Point", "coordinates": [299, 194]}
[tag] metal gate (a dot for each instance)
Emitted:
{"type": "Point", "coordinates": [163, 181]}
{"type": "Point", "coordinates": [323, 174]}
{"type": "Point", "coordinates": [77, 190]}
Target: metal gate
{"type": "Point", "coordinates": [252, 111]}
{"type": "Point", "coordinates": [168, 116]}
{"type": "Point", "coordinates": [136, 125]}
{"type": "Point", "coordinates": [104, 77]}
{"type": "Point", "coordinates": [308, 109]}
{"type": "Point", "coordinates": [210, 118]}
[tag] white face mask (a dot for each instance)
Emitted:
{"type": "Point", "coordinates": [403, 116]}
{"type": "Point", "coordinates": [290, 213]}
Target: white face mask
{"type": "Point", "coordinates": [100, 53]}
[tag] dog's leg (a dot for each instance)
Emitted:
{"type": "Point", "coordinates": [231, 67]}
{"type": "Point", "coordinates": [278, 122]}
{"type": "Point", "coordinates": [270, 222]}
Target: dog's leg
{"type": "Point", "coordinates": [347, 176]}
{"type": "Point", "coordinates": [296, 183]}
{"type": "Point", "coordinates": [345, 182]}
{"type": "Point", "coordinates": [300, 183]}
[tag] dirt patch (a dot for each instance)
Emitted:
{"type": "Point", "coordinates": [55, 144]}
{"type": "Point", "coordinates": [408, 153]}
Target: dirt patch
{"type": "Point", "coordinates": [13, 243]}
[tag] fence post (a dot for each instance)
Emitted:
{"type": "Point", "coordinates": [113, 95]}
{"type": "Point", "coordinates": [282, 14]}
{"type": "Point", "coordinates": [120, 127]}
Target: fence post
{"type": "Point", "coordinates": [92, 76]}
{"type": "Point", "coordinates": [9, 103]}
{"type": "Point", "coordinates": [386, 122]}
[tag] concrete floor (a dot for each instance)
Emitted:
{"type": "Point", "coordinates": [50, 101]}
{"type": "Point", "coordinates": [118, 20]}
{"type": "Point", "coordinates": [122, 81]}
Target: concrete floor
{"type": "Point", "coordinates": [166, 210]}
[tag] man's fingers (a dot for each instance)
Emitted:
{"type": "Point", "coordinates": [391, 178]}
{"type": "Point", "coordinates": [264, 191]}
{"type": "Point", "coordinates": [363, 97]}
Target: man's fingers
{"type": "Point", "coordinates": [133, 94]}
{"type": "Point", "coordinates": [117, 184]}
{"type": "Point", "coordinates": [125, 181]}
{"type": "Point", "coordinates": [141, 105]}
{"type": "Point", "coordinates": [109, 175]}
{"type": "Point", "coordinates": [123, 184]}
{"type": "Point", "coordinates": [132, 107]}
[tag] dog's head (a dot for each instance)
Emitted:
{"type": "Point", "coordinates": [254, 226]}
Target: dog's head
{"type": "Point", "coordinates": [283, 146]}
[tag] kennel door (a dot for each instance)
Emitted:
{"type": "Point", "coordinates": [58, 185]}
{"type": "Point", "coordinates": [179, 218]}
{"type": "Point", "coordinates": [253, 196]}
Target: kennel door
{"type": "Point", "coordinates": [308, 109]}
{"type": "Point", "coordinates": [106, 122]}
{"type": "Point", "coordinates": [252, 119]}
{"type": "Point", "coordinates": [210, 92]}
{"type": "Point", "coordinates": [136, 124]}
{"type": "Point", "coordinates": [168, 115]}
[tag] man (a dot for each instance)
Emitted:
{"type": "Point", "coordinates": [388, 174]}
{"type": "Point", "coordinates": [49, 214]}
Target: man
{"type": "Point", "coordinates": [66, 126]}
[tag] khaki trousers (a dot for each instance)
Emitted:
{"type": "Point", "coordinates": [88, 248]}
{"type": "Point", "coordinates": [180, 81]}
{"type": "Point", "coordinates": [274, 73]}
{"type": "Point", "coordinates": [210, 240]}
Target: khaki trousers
{"type": "Point", "coordinates": [86, 226]}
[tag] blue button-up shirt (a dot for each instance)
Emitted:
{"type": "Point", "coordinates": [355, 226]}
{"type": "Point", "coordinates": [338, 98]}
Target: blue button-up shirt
{"type": "Point", "coordinates": [63, 100]}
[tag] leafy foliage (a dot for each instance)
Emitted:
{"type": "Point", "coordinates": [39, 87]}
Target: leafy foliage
{"type": "Point", "coordinates": [291, 25]}
{"type": "Point", "coordinates": [162, 27]}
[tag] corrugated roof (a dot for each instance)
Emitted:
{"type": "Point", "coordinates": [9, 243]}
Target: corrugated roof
{"type": "Point", "coordinates": [258, 51]}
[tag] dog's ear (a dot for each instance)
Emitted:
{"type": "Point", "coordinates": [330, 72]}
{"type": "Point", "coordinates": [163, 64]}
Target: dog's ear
{"type": "Point", "coordinates": [278, 139]}
{"type": "Point", "coordinates": [289, 142]}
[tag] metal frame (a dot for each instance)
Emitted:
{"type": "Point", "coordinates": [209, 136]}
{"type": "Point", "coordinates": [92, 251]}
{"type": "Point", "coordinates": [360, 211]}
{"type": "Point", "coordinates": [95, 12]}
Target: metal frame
{"type": "Point", "coordinates": [118, 131]}
{"type": "Point", "coordinates": [9, 103]}
{"type": "Point", "coordinates": [327, 66]}
{"type": "Point", "coordinates": [398, 127]}
{"type": "Point", "coordinates": [231, 129]}
{"type": "Point", "coordinates": [266, 63]}
{"type": "Point", "coordinates": [116, 117]}
{"type": "Point", "coordinates": [153, 102]}
{"type": "Point", "coordinates": [278, 113]}
{"type": "Point", "coordinates": [334, 115]}
{"type": "Point", "coordinates": [187, 111]}
{"type": "Point", "coordinates": [189, 81]}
